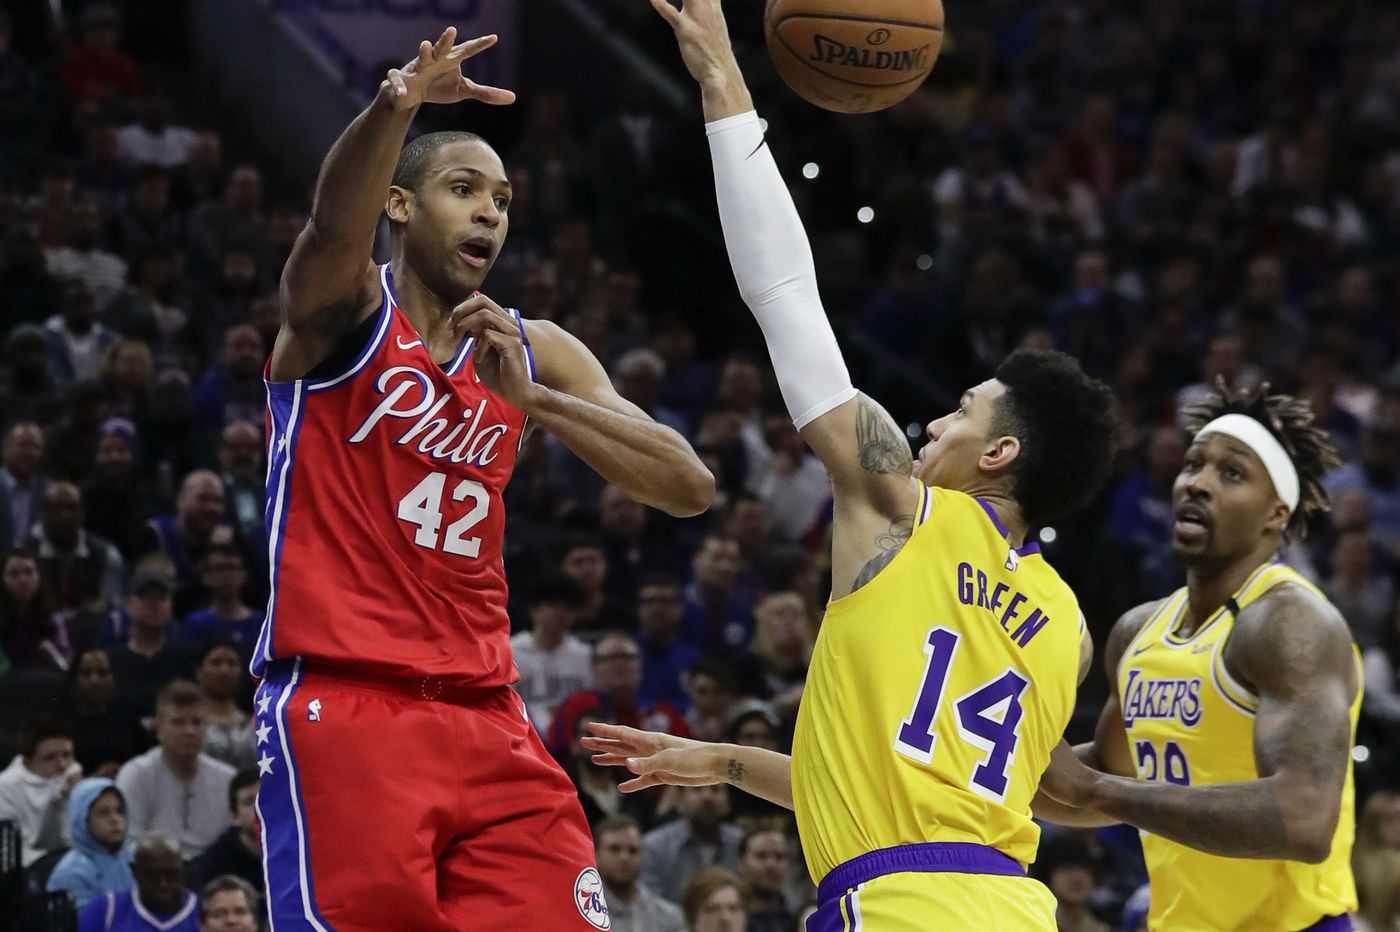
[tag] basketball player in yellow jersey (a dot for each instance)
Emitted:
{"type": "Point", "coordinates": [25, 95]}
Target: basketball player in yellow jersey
{"type": "Point", "coordinates": [1236, 697]}
{"type": "Point", "coordinates": [946, 667]}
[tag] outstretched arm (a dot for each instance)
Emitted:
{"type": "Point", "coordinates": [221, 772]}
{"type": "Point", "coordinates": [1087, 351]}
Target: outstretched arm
{"type": "Point", "coordinates": [330, 284]}
{"type": "Point", "coordinates": [659, 759]}
{"type": "Point", "coordinates": [1299, 658]}
{"type": "Point", "coordinates": [865, 452]}
{"type": "Point", "coordinates": [1109, 750]}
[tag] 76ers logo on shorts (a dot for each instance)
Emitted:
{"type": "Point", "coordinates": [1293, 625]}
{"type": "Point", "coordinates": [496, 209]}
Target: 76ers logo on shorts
{"type": "Point", "coordinates": [588, 897]}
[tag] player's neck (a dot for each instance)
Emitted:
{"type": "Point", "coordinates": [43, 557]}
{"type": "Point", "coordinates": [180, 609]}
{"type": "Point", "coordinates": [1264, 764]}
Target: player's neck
{"type": "Point", "coordinates": [428, 311]}
{"type": "Point", "coordinates": [1208, 588]}
{"type": "Point", "coordinates": [1008, 512]}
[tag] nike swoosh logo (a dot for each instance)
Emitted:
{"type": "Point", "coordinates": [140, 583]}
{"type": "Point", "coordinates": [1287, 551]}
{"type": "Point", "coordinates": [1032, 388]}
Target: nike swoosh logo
{"type": "Point", "coordinates": [403, 345]}
{"type": "Point", "coordinates": [1203, 648]}
{"type": "Point", "coordinates": [1141, 649]}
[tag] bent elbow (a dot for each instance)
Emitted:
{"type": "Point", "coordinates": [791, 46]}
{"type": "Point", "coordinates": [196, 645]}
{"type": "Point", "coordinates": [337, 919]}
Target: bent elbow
{"type": "Point", "coordinates": [695, 494]}
{"type": "Point", "coordinates": [1311, 851]}
{"type": "Point", "coordinates": [1312, 835]}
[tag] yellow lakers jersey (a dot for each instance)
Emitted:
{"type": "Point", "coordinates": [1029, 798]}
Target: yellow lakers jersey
{"type": "Point", "coordinates": [1190, 722]}
{"type": "Point", "coordinates": [935, 694]}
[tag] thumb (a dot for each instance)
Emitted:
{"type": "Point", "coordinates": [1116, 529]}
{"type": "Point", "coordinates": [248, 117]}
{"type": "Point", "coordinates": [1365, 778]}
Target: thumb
{"type": "Point", "coordinates": [669, 13]}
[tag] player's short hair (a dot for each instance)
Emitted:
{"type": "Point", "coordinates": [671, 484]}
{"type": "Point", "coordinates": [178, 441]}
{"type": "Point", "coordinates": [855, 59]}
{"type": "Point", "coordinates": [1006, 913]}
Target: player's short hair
{"type": "Point", "coordinates": [615, 823]}
{"type": "Point", "coordinates": [1290, 421]}
{"type": "Point", "coordinates": [223, 884]}
{"type": "Point", "coordinates": [706, 884]}
{"type": "Point", "coordinates": [1067, 428]}
{"type": "Point", "coordinates": [245, 778]}
{"type": "Point", "coordinates": [36, 731]}
{"type": "Point", "coordinates": [179, 694]}
{"type": "Point", "coordinates": [414, 159]}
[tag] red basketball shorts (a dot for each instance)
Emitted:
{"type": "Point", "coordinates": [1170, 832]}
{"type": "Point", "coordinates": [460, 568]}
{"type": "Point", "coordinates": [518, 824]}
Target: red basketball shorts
{"type": "Point", "coordinates": [383, 810]}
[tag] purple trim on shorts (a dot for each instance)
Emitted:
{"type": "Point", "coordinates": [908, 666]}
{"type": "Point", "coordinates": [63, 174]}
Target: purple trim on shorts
{"type": "Point", "coordinates": [1340, 923]}
{"type": "Point", "coordinates": [959, 857]}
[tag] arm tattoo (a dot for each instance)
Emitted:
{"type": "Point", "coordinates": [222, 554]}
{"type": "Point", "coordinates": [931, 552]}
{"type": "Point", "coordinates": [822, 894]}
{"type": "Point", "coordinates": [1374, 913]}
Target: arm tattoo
{"type": "Point", "coordinates": [890, 543]}
{"type": "Point", "coordinates": [736, 772]}
{"type": "Point", "coordinates": [882, 447]}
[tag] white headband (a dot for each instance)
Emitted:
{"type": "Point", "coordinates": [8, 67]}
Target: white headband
{"type": "Point", "coordinates": [1270, 452]}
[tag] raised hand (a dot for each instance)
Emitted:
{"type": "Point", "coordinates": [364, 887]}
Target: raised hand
{"type": "Point", "coordinates": [435, 76]}
{"type": "Point", "coordinates": [703, 36]}
{"type": "Point", "coordinates": [657, 759]}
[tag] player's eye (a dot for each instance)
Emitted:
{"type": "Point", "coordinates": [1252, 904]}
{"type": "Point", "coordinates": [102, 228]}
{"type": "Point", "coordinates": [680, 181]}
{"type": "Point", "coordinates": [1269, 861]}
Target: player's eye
{"type": "Point", "coordinates": [461, 189]}
{"type": "Point", "coordinates": [502, 203]}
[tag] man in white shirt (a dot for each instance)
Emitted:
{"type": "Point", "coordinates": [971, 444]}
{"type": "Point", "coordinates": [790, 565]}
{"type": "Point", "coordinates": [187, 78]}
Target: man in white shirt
{"type": "Point", "coordinates": [552, 662]}
{"type": "Point", "coordinates": [34, 788]}
{"type": "Point", "coordinates": [152, 140]}
{"type": "Point", "coordinates": [174, 789]}
{"type": "Point", "coordinates": [83, 258]}
{"type": "Point", "coordinates": [632, 905]}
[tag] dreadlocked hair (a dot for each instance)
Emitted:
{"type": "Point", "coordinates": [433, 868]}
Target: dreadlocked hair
{"type": "Point", "coordinates": [1290, 420]}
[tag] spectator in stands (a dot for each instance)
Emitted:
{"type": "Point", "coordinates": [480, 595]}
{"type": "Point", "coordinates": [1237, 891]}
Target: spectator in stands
{"type": "Point", "coordinates": [665, 657]}
{"type": "Point", "coordinates": [237, 221]}
{"type": "Point", "coordinates": [1375, 859]}
{"type": "Point", "coordinates": [219, 671]}
{"type": "Point", "coordinates": [115, 496]}
{"type": "Point", "coordinates": [158, 903]}
{"type": "Point", "coordinates": [153, 306]}
{"type": "Point", "coordinates": [234, 390]}
{"type": "Point", "coordinates": [100, 860]}
{"type": "Point", "coordinates": [794, 485]}
{"type": "Point", "coordinates": [640, 374]}
{"type": "Point", "coordinates": [21, 481]}
{"type": "Point", "coordinates": [747, 521]}
{"type": "Point", "coordinates": [764, 857]}
{"type": "Point", "coordinates": [714, 901]}
{"type": "Point", "coordinates": [185, 537]}
{"type": "Point", "coordinates": [100, 171]}
{"type": "Point", "coordinates": [127, 372]}
{"type": "Point", "coordinates": [783, 644]}
{"type": "Point", "coordinates": [628, 549]}
{"type": "Point", "coordinates": [31, 635]}
{"type": "Point", "coordinates": [172, 442]}
{"type": "Point", "coordinates": [1362, 590]}
{"type": "Point", "coordinates": [1142, 516]}
{"type": "Point", "coordinates": [1067, 867]}
{"type": "Point", "coordinates": [148, 222]}
{"type": "Point", "coordinates": [715, 616]}
{"type": "Point", "coordinates": [175, 788]}
{"type": "Point", "coordinates": [96, 68]}
{"type": "Point", "coordinates": [1377, 473]}
{"type": "Point", "coordinates": [712, 687]}
{"type": "Point", "coordinates": [79, 570]}
{"type": "Point", "coordinates": [105, 735]}
{"type": "Point", "coordinates": [146, 651]}
{"type": "Point", "coordinates": [82, 256]}
{"type": "Point", "coordinates": [632, 905]}
{"type": "Point", "coordinates": [72, 443]}
{"type": "Point", "coordinates": [241, 468]}
{"type": "Point", "coordinates": [224, 574]}
{"type": "Point", "coordinates": [617, 677]}
{"type": "Point", "coordinates": [29, 391]}
{"type": "Point", "coordinates": [553, 663]}
{"type": "Point", "coordinates": [228, 904]}
{"type": "Point", "coordinates": [77, 340]}
{"type": "Point", "coordinates": [152, 140]}
{"type": "Point", "coordinates": [700, 838]}
{"type": "Point", "coordinates": [237, 851]}
{"type": "Point", "coordinates": [34, 788]}
{"type": "Point", "coordinates": [584, 561]}
{"type": "Point", "coordinates": [197, 181]}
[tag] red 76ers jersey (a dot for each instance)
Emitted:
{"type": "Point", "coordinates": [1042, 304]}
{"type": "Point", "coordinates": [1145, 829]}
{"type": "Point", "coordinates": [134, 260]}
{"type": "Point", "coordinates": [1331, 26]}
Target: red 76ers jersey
{"type": "Point", "coordinates": [384, 513]}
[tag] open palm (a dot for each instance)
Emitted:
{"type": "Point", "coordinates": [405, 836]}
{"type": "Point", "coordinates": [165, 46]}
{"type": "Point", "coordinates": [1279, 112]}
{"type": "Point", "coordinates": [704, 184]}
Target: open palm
{"type": "Point", "coordinates": [435, 76]}
{"type": "Point", "coordinates": [657, 759]}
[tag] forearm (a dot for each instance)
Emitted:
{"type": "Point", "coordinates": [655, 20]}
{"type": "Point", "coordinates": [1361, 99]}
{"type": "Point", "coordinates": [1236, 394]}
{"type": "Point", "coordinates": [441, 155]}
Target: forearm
{"type": "Point", "coordinates": [724, 94]}
{"type": "Point", "coordinates": [1238, 820]}
{"type": "Point", "coordinates": [757, 771]}
{"type": "Point", "coordinates": [649, 461]}
{"type": "Point", "coordinates": [1048, 809]}
{"type": "Point", "coordinates": [356, 174]}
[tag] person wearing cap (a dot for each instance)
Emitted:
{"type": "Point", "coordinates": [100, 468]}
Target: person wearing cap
{"type": "Point", "coordinates": [145, 644]}
{"type": "Point", "coordinates": [1227, 736]}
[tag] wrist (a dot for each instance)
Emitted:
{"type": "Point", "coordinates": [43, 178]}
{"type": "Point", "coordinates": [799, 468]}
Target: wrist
{"type": "Point", "coordinates": [537, 401]}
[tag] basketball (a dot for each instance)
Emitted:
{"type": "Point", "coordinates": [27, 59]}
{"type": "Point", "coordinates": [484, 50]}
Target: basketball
{"type": "Point", "coordinates": [854, 56]}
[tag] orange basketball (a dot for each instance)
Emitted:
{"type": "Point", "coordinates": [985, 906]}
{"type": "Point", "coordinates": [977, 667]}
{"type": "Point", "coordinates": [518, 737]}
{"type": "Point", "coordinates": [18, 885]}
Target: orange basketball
{"type": "Point", "coordinates": [854, 56]}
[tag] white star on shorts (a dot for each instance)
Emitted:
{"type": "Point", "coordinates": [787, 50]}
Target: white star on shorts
{"type": "Point", "coordinates": [265, 764]}
{"type": "Point", "coordinates": [263, 703]}
{"type": "Point", "coordinates": [263, 731]}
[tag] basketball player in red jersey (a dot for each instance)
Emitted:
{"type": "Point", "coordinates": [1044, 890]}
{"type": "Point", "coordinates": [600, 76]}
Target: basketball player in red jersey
{"type": "Point", "coordinates": [402, 786]}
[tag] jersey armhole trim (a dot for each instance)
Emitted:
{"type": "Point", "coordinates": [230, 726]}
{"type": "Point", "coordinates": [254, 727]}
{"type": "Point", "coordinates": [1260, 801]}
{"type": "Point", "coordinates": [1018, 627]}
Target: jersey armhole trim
{"type": "Point", "coordinates": [386, 314]}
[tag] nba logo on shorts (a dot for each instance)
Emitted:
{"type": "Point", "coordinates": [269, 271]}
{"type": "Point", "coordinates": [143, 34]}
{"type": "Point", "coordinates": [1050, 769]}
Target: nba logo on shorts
{"type": "Point", "coordinates": [588, 897]}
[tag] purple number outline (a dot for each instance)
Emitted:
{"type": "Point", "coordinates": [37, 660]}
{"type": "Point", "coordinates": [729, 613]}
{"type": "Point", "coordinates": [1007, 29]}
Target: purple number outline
{"type": "Point", "coordinates": [996, 739]}
{"type": "Point", "coordinates": [916, 737]}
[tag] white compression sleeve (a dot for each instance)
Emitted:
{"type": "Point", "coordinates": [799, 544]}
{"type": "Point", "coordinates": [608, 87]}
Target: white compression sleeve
{"type": "Point", "coordinates": [772, 262]}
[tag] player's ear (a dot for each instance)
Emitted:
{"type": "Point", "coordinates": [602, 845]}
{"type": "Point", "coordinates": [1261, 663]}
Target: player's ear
{"type": "Point", "coordinates": [998, 457]}
{"type": "Point", "coordinates": [1278, 518]}
{"type": "Point", "coordinates": [399, 204]}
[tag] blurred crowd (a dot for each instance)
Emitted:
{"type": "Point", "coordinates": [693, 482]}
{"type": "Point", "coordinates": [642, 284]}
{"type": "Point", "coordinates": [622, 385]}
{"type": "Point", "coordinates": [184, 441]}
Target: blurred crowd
{"type": "Point", "coordinates": [1179, 192]}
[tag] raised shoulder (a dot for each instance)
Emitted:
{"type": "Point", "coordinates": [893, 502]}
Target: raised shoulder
{"type": "Point", "coordinates": [1289, 641]}
{"type": "Point", "coordinates": [1127, 627]}
{"type": "Point", "coordinates": [316, 313]}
